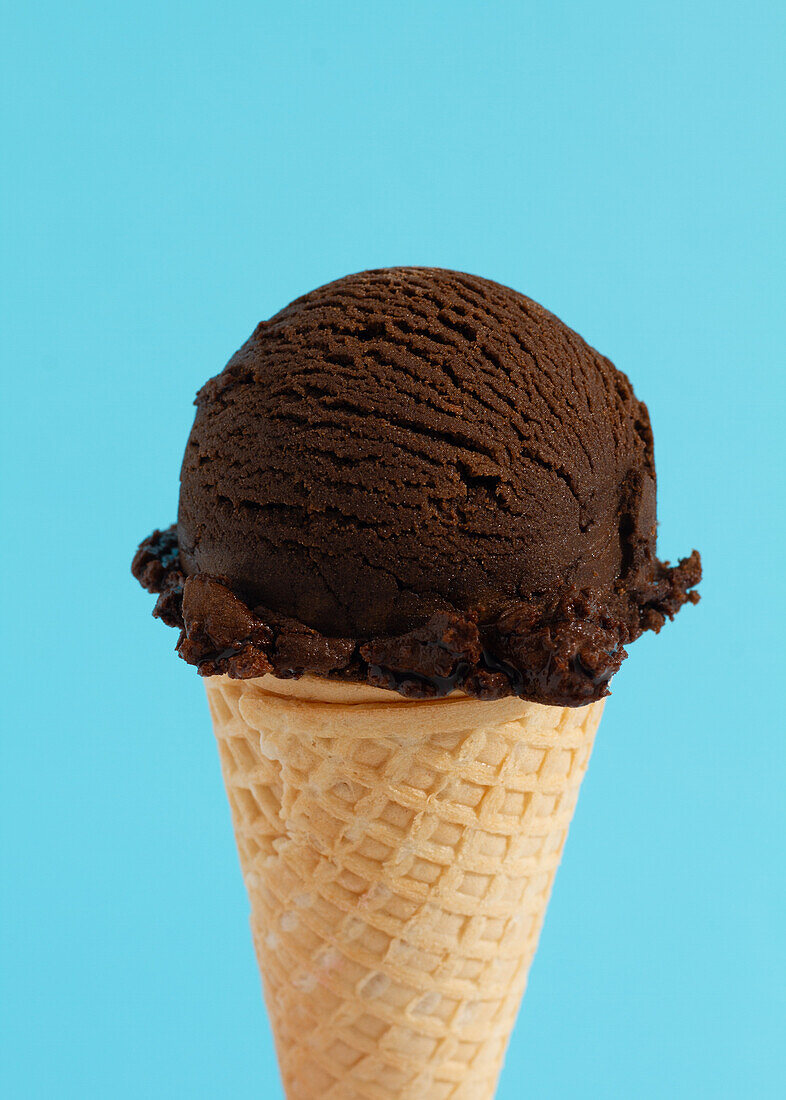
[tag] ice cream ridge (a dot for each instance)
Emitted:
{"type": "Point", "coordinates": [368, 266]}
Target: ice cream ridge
{"type": "Point", "coordinates": [423, 481]}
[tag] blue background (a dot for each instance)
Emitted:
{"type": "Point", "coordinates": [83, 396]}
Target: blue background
{"type": "Point", "coordinates": [174, 172]}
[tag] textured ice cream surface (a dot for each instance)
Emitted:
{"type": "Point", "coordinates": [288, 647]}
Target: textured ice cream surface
{"type": "Point", "coordinates": [421, 479]}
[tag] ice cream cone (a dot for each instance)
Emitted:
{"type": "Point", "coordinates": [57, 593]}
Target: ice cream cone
{"type": "Point", "coordinates": [399, 856]}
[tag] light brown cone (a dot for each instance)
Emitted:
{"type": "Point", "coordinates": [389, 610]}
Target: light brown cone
{"type": "Point", "coordinates": [399, 857]}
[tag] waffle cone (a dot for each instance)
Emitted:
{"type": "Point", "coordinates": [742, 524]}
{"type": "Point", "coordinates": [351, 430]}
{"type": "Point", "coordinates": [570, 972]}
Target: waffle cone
{"type": "Point", "coordinates": [399, 857]}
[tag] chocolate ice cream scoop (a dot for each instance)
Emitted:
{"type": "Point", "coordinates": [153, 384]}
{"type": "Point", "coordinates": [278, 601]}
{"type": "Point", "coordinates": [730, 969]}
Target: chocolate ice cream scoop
{"type": "Point", "coordinates": [425, 480]}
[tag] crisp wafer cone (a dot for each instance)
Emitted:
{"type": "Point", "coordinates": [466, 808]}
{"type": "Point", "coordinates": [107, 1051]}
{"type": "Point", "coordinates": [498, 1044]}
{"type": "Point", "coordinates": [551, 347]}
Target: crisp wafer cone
{"type": "Point", "coordinates": [399, 857]}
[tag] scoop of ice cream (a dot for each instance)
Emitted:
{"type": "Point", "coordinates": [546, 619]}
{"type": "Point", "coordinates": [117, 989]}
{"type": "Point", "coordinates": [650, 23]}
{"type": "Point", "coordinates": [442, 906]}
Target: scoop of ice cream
{"type": "Point", "coordinates": [406, 441]}
{"type": "Point", "coordinates": [424, 455]}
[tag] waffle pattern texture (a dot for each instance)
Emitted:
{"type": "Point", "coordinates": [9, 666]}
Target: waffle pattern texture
{"type": "Point", "coordinates": [399, 857]}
